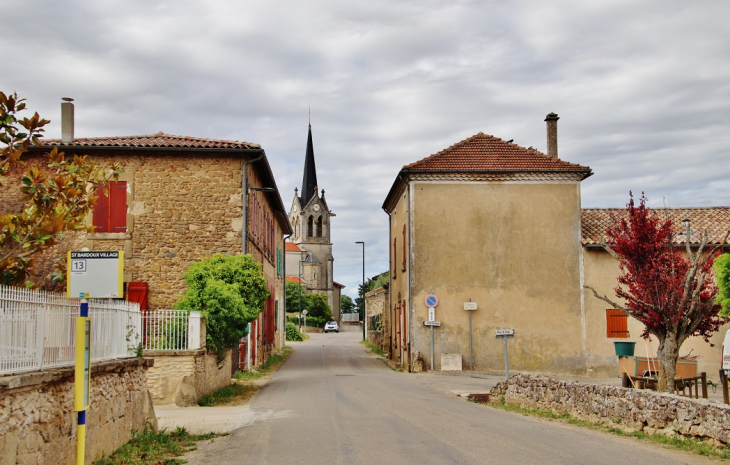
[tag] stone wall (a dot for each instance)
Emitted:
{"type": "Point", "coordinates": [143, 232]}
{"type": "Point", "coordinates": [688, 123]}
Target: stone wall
{"type": "Point", "coordinates": [631, 409]}
{"type": "Point", "coordinates": [181, 377]}
{"type": "Point", "coordinates": [38, 422]}
{"type": "Point", "coordinates": [376, 303]}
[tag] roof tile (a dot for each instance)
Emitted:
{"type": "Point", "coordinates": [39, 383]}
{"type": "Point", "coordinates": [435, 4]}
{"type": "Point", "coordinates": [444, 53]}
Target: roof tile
{"type": "Point", "coordinates": [483, 152]}
{"type": "Point", "coordinates": [714, 220]}
{"type": "Point", "coordinates": [159, 140]}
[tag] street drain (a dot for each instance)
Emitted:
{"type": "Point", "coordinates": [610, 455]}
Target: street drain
{"type": "Point", "coordinates": [478, 398]}
{"type": "Point", "coordinates": [344, 375]}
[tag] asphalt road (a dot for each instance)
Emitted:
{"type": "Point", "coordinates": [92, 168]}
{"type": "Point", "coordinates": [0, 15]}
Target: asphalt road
{"type": "Point", "coordinates": [332, 403]}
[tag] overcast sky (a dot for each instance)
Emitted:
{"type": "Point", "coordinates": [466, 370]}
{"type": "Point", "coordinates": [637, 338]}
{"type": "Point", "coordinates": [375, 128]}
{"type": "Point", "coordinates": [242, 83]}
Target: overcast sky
{"type": "Point", "coordinates": [642, 88]}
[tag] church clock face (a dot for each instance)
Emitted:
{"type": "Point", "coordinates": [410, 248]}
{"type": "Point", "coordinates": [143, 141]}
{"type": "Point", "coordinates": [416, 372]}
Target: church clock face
{"type": "Point", "coordinates": [316, 207]}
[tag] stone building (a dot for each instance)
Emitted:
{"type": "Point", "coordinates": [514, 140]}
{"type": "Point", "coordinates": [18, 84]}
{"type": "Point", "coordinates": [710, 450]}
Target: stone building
{"type": "Point", "coordinates": [501, 225]}
{"type": "Point", "coordinates": [180, 199]}
{"type": "Point", "coordinates": [309, 256]}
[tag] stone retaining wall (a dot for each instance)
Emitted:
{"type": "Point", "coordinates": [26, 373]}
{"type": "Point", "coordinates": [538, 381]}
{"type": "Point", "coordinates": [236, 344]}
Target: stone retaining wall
{"type": "Point", "coordinates": [38, 422]}
{"type": "Point", "coordinates": [631, 409]}
{"type": "Point", "coordinates": [180, 377]}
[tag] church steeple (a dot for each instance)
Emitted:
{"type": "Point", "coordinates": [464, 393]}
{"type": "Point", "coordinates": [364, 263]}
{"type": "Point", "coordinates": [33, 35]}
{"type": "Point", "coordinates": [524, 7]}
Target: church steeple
{"type": "Point", "coordinates": [309, 180]}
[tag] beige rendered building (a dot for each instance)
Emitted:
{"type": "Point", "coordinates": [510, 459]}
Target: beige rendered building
{"type": "Point", "coordinates": [497, 224]}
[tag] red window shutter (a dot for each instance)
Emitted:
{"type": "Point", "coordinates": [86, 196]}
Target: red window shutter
{"type": "Point", "coordinates": [616, 324]}
{"type": "Point", "coordinates": [395, 258]}
{"type": "Point", "coordinates": [110, 211]}
{"type": "Point", "coordinates": [101, 211]}
{"type": "Point", "coordinates": [404, 248]}
{"type": "Point", "coordinates": [118, 206]}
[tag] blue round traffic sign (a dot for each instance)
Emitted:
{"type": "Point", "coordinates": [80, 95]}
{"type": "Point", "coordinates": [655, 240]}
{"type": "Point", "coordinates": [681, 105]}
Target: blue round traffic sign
{"type": "Point", "coordinates": [431, 301]}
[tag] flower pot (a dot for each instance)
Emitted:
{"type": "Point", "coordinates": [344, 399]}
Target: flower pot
{"type": "Point", "coordinates": [624, 349]}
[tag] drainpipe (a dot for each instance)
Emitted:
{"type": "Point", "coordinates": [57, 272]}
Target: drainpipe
{"type": "Point", "coordinates": [408, 268]}
{"type": "Point", "coordinates": [282, 336]}
{"type": "Point", "coordinates": [244, 199]}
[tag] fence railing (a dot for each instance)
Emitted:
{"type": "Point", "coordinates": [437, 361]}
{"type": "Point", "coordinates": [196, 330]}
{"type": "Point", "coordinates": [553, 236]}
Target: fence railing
{"type": "Point", "coordinates": [171, 330]}
{"type": "Point", "coordinates": [37, 329]}
{"type": "Point", "coordinates": [349, 317]}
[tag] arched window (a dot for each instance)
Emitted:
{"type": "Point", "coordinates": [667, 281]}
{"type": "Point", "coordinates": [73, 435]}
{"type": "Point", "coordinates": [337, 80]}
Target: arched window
{"type": "Point", "coordinates": [310, 227]}
{"type": "Point", "coordinates": [319, 227]}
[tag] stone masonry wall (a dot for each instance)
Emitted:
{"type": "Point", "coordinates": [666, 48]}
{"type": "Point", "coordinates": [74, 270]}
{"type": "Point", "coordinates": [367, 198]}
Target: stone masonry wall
{"type": "Point", "coordinates": [631, 409]}
{"type": "Point", "coordinates": [182, 377]}
{"type": "Point", "coordinates": [38, 422]}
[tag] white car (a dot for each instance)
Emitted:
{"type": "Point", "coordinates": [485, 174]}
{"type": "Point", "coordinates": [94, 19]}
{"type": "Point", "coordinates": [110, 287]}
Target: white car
{"type": "Point", "coordinates": [331, 326]}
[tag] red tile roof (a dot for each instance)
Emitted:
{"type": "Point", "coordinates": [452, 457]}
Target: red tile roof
{"type": "Point", "coordinates": [292, 247]}
{"type": "Point", "coordinates": [483, 152]}
{"type": "Point", "coordinates": [714, 220]}
{"type": "Point", "coordinates": [159, 140]}
{"type": "Point", "coordinates": [338, 284]}
{"type": "Point", "coordinates": [295, 279]}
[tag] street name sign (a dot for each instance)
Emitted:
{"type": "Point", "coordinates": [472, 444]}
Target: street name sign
{"type": "Point", "coordinates": [470, 305]}
{"type": "Point", "coordinates": [432, 323]}
{"type": "Point", "coordinates": [505, 333]}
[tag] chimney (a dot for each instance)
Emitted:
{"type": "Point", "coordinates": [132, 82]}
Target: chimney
{"type": "Point", "coordinates": [67, 120]}
{"type": "Point", "coordinates": [552, 134]}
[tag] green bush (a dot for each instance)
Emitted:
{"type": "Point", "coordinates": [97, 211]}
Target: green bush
{"type": "Point", "coordinates": [292, 333]}
{"type": "Point", "coordinates": [230, 291]}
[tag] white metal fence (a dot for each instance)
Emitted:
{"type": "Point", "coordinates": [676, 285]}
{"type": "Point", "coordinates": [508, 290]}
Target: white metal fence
{"type": "Point", "coordinates": [349, 317]}
{"type": "Point", "coordinates": [37, 329]}
{"type": "Point", "coordinates": [171, 330]}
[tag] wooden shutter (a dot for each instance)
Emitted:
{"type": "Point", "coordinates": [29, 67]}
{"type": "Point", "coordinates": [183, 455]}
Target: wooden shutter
{"type": "Point", "coordinates": [110, 211]}
{"type": "Point", "coordinates": [404, 248]}
{"type": "Point", "coordinates": [101, 211]}
{"type": "Point", "coordinates": [616, 324]}
{"type": "Point", "coordinates": [395, 257]}
{"type": "Point", "coordinates": [118, 206]}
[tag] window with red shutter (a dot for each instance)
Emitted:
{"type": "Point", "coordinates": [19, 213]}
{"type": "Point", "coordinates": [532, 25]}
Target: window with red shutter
{"type": "Point", "coordinates": [110, 211]}
{"type": "Point", "coordinates": [616, 324]}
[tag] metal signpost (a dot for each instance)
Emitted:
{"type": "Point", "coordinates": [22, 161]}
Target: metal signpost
{"type": "Point", "coordinates": [470, 307]}
{"type": "Point", "coordinates": [89, 275]}
{"type": "Point", "coordinates": [431, 302]}
{"type": "Point", "coordinates": [304, 312]}
{"type": "Point", "coordinates": [505, 334]}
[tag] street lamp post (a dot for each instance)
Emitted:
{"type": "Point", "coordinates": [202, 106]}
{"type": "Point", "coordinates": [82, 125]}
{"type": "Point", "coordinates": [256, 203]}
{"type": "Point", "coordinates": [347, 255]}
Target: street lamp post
{"type": "Point", "coordinates": [362, 296]}
{"type": "Point", "coordinates": [299, 286]}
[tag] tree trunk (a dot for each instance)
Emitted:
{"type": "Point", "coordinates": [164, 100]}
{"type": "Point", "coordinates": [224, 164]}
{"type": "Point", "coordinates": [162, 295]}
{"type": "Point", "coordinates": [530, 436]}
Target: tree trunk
{"type": "Point", "coordinates": [667, 355]}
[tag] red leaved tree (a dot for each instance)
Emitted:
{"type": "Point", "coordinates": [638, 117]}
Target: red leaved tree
{"type": "Point", "coordinates": [672, 294]}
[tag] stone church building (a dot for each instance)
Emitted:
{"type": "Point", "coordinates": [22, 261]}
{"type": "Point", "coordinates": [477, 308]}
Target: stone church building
{"type": "Point", "coordinates": [309, 257]}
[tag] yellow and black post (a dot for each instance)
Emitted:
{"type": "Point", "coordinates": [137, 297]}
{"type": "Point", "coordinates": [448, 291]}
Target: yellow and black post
{"type": "Point", "coordinates": [82, 383]}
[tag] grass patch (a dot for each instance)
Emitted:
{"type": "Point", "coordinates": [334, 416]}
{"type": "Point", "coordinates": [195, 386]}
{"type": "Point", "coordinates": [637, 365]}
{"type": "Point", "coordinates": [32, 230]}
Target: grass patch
{"type": "Point", "coordinates": [155, 447]}
{"type": "Point", "coordinates": [373, 348]}
{"type": "Point", "coordinates": [269, 366]}
{"type": "Point", "coordinates": [684, 443]}
{"type": "Point", "coordinates": [227, 394]}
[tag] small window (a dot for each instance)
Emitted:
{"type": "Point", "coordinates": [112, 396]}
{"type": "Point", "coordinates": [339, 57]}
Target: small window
{"type": "Point", "coordinates": [110, 211]}
{"type": "Point", "coordinates": [310, 227]}
{"type": "Point", "coordinates": [616, 324]}
{"type": "Point", "coordinates": [319, 227]}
